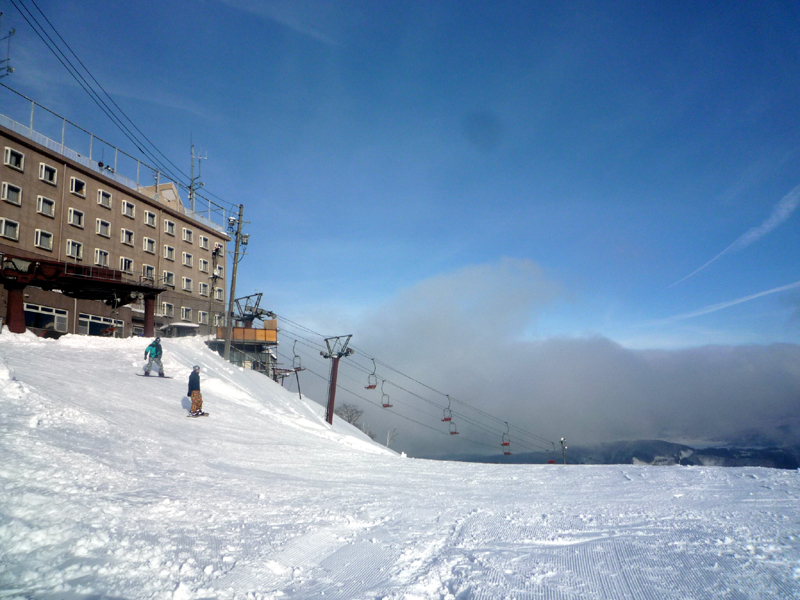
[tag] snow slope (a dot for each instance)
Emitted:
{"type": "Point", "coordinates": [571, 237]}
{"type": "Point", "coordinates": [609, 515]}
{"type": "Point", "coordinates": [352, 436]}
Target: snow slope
{"type": "Point", "coordinates": [107, 490]}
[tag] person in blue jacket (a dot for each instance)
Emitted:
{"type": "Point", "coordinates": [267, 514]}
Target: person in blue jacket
{"type": "Point", "coordinates": [152, 354]}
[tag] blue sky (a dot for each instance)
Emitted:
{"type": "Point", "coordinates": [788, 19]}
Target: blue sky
{"type": "Point", "coordinates": [586, 157]}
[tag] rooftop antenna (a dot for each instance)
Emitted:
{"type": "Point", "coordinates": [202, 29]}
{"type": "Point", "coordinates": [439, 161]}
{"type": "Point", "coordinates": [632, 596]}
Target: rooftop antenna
{"type": "Point", "coordinates": [194, 182]}
{"type": "Point", "coordinates": [5, 64]}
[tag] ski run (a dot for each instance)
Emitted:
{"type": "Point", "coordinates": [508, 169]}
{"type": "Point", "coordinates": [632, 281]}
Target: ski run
{"type": "Point", "coordinates": [107, 490]}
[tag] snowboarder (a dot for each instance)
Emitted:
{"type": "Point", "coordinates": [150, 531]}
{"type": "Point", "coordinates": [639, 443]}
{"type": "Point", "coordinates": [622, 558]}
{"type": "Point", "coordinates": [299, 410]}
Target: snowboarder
{"type": "Point", "coordinates": [194, 392]}
{"type": "Point", "coordinates": [152, 354]}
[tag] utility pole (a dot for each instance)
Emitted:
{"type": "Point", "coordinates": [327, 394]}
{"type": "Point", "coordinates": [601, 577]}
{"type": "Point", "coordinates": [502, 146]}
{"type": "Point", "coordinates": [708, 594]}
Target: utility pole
{"type": "Point", "coordinates": [336, 350]}
{"type": "Point", "coordinates": [229, 318]}
{"type": "Point", "coordinates": [5, 64]}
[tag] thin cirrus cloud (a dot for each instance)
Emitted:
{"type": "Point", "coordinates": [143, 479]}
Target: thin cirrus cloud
{"type": "Point", "coordinates": [782, 211]}
{"type": "Point", "coordinates": [715, 307]}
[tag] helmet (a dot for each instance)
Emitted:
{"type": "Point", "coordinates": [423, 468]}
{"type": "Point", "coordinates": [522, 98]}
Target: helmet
{"type": "Point", "coordinates": [157, 340]}
{"type": "Point", "coordinates": [196, 368]}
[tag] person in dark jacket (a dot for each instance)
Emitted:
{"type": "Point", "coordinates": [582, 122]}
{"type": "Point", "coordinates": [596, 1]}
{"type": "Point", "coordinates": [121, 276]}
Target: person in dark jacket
{"type": "Point", "coordinates": [194, 392]}
{"type": "Point", "coordinates": [152, 354]}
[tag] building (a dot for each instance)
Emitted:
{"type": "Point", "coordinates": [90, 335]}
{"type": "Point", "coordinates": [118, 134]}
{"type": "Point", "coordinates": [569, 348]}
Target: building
{"type": "Point", "coordinates": [97, 253]}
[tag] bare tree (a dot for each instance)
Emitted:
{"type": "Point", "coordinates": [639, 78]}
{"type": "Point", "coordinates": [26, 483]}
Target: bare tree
{"type": "Point", "coordinates": [349, 412]}
{"type": "Point", "coordinates": [391, 435]}
{"type": "Point", "coordinates": [365, 429]}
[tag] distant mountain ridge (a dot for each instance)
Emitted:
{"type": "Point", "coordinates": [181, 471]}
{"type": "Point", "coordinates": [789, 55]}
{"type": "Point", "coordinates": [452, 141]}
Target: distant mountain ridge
{"type": "Point", "coordinates": [652, 452]}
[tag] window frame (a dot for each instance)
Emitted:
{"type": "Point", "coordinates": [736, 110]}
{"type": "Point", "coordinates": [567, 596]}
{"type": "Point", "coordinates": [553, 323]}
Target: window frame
{"type": "Point", "coordinates": [148, 272]}
{"type": "Point", "coordinates": [152, 216]}
{"type": "Point", "coordinates": [75, 244]}
{"type": "Point", "coordinates": [188, 238]}
{"type": "Point", "coordinates": [45, 168]}
{"type": "Point", "coordinates": [131, 235]}
{"type": "Point", "coordinates": [187, 260]}
{"type": "Point", "coordinates": [3, 222]}
{"type": "Point", "coordinates": [81, 193]}
{"type": "Point", "coordinates": [169, 227]}
{"type": "Point", "coordinates": [132, 206]}
{"type": "Point", "coordinates": [102, 258]}
{"type": "Point", "coordinates": [186, 313]}
{"type": "Point", "coordinates": [122, 268]}
{"type": "Point", "coordinates": [152, 245]}
{"type": "Point", "coordinates": [168, 309]}
{"type": "Point", "coordinates": [4, 193]}
{"type": "Point", "coordinates": [187, 284]}
{"type": "Point", "coordinates": [99, 224]}
{"type": "Point", "coordinates": [8, 153]}
{"type": "Point", "coordinates": [168, 277]}
{"type": "Point", "coordinates": [40, 202]}
{"type": "Point", "coordinates": [71, 213]}
{"type": "Point", "coordinates": [204, 242]}
{"type": "Point", "coordinates": [169, 253]}
{"type": "Point", "coordinates": [37, 239]}
{"type": "Point", "coordinates": [101, 194]}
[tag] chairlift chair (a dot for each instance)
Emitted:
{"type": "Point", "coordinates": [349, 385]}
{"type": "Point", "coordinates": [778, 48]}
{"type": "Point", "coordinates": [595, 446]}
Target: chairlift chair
{"type": "Point", "coordinates": [453, 429]}
{"type": "Point", "coordinates": [385, 402]}
{"type": "Point", "coordinates": [448, 414]}
{"type": "Point", "coordinates": [372, 378]}
{"type": "Point", "coordinates": [505, 440]}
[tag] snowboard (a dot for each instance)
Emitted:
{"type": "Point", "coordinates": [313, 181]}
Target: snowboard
{"type": "Point", "coordinates": [154, 376]}
{"type": "Point", "coordinates": [205, 414]}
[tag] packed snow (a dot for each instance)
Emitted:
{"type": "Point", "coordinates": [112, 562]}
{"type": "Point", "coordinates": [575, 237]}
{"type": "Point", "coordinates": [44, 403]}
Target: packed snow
{"type": "Point", "coordinates": [107, 490]}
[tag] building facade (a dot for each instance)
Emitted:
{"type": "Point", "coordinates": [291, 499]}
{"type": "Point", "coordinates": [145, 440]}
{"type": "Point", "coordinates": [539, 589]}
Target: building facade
{"type": "Point", "coordinates": [56, 208]}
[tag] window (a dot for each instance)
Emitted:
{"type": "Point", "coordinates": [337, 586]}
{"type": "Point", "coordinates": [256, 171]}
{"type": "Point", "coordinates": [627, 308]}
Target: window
{"type": "Point", "coordinates": [103, 228]}
{"type": "Point", "coordinates": [127, 237]}
{"type": "Point", "coordinates": [148, 273]}
{"type": "Point", "coordinates": [187, 284]}
{"type": "Point", "coordinates": [203, 265]}
{"type": "Point", "coordinates": [169, 227]}
{"type": "Point", "coordinates": [169, 252]}
{"type": "Point", "coordinates": [149, 218]}
{"type": "Point", "coordinates": [128, 209]}
{"type": "Point", "coordinates": [102, 326]}
{"type": "Point", "coordinates": [45, 317]}
{"type": "Point", "coordinates": [187, 235]}
{"type": "Point", "coordinates": [204, 242]}
{"type": "Point", "coordinates": [77, 187]}
{"type": "Point", "coordinates": [74, 249]}
{"type": "Point", "coordinates": [188, 259]}
{"type": "Point", "coordinates": [9, 229]}
{"type": "Point", "coordinates": [126, 264]}
{"type": "Point", "coordinates": [75, 217]}
{"type": "Point", "coordinates": [167, 309]}
{"type": "Point", "coordinates": [203, 289]}
{"type": "Point", "coordinates": [43, 239]}
{"type": "Point", "coordinates": [48, 174]}
{"type": "Point", "coordinates": [202, 317]}
{"type": "Point", "coordinates": [218, 272]}
{"type": "Point", "coordinates": [218, 320]}
{"type": "Point", "coordinates": [11, 193]}
{"type": "Point", "coordinates": [100, 257]}
{"type": "Point", "coordinates": [169, 278]}
{"type": "Point", "coordinates": [104, 198]}
{"type": "Point", "coordinates": [149, 245]}
{"type": "Point", "coordinates": [186, 313]}
{"type": "Point", "coordinates": [45, 206]}
{"type": "Point", "coordinates": [219, 294]}
{"type": "Point", "coordinates": [14, 159]}
{"type": "Point", "coordinates": [219, 249]}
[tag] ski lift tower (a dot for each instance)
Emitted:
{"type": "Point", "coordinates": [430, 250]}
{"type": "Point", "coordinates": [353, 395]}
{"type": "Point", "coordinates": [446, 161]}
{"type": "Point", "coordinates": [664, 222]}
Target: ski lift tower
{"type": "Point", "coordinates": [337, 348]}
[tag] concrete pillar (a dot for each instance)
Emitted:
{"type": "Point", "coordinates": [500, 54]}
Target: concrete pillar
{"type": "Point", "coordinates": [149, 316]}
{"type": "Point", "coordinates": [15, 310]}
